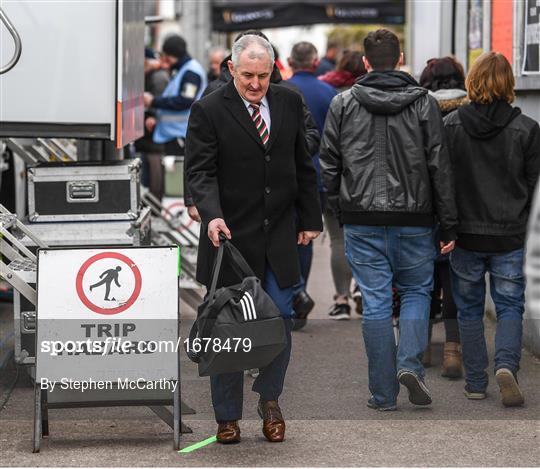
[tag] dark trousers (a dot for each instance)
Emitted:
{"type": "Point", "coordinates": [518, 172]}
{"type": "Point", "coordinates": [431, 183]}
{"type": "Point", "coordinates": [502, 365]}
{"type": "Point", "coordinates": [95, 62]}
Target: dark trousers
{"type": "Point", "coordinates": [152, 173]}
{"type": "Point", "coordinates": [228, 388]}
{"type": "Point", "coordinates": [305, 255]}
{"type": "Point", "coordinates": [443, 284]}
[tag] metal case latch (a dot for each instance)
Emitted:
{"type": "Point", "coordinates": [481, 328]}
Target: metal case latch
{"type": "Point", "coordinates": [82, 191]}
{"type": "Point", "coordinates": [29, 321]}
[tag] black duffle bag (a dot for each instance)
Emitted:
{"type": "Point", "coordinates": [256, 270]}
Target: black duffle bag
{"type": "Point", "coordinates": [238, 327]}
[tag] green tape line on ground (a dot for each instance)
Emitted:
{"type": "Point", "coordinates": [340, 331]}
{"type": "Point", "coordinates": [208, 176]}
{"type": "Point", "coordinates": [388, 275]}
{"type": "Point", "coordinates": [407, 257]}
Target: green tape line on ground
{"type": "Point", "coordinates": [179, 261]}
{"type": "Point", "coordinates": [198, 445]}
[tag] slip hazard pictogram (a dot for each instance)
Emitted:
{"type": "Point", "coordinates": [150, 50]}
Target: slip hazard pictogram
{"type": "Point", "coordinates": [108, 283]}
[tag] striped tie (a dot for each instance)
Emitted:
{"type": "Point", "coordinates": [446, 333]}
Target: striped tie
{"type": "Point", "coordinates": [259, 123]}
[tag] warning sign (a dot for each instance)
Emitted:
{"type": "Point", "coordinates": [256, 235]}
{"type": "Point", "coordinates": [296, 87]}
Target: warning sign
{"type": "Point", "coordinates": [107, 314]}
{"type": "Point", "coordinates": [98, 283]}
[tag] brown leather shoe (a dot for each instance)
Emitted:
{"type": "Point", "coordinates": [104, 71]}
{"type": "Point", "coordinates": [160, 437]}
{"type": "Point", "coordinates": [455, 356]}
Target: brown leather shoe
{"type": "Point", "coordinates": [228, 432]}
{"type": "Point", "coordinates": [451, 367]}
{"type": "Point", "coordinates": [273, 423]}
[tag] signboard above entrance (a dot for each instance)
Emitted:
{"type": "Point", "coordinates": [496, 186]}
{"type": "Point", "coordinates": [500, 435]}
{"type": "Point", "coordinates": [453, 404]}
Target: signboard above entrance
{"type": "Point", "coordinates": [241, 15]}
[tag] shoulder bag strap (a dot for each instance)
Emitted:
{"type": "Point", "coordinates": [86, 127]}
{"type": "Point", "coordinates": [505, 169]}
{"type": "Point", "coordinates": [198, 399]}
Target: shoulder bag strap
{"type": "Point", "coordinates": [238, 261]}
{"type": "Point", "coordinates": [216, 270]}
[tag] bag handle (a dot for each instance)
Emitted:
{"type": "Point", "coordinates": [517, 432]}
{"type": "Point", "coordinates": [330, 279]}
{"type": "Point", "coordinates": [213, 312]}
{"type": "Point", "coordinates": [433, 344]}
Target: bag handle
{"type": "Point", "coordinates": [216, 270]}
{"type": "Point", "coordinates": [238, 263]}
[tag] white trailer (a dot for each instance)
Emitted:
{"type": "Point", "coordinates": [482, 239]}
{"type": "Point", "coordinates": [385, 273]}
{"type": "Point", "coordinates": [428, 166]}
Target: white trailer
{"type": "Point", "coordinates": [72, 69]}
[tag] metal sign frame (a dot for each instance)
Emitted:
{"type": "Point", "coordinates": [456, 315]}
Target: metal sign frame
{"type": "Point", "coordinates": [43, 401]}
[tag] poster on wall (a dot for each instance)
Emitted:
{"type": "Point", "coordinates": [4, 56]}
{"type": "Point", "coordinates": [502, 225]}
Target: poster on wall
{"type": "Point", "coordinates": [475, 46]}
{"type": "Point", "coordinates": [531, 43]}
{"type": "Point", "coordinates": [502, 19]}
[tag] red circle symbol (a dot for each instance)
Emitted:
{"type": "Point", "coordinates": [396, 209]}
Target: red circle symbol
{"type": "Point", "coordinates": [109, 255]}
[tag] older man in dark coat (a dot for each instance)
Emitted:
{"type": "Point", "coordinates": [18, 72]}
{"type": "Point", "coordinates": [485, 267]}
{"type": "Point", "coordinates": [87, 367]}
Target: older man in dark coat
{"type": "Point", "coordinates": [252, 179]}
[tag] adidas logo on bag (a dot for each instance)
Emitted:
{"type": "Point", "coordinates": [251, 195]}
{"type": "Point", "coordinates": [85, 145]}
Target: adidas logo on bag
{"type": "Point", "coordinates": [248, 307]}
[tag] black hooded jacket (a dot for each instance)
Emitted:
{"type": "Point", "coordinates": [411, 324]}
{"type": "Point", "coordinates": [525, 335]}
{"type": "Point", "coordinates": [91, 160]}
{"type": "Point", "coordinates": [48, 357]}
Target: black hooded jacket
{"type": "Point", "coordinates": [383, 157]}
{"type": "Point", "coordinates": [495, 153]}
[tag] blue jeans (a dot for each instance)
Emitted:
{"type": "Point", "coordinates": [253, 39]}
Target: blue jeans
{"type": "Point", "coordinates": [507, 287]}
{"type": "Point", "coordinates": [228, 388]}
{"type": "Point", "coordinates": [379, 257]}
{"type": "Point", "coordinates": [305, 256]}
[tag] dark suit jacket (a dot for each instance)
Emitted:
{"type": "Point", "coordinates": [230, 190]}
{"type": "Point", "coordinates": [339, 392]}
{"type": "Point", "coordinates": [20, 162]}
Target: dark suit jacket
{"type": "Point", "coordinates": [265, 195]}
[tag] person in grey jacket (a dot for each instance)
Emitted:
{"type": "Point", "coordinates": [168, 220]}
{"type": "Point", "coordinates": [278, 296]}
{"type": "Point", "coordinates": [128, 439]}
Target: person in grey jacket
{"type": "Point", "coordinates": [388, 175]}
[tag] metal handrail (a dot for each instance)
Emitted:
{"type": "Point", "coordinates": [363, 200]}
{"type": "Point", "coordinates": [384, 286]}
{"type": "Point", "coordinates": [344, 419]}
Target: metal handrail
{"type": "Point", "coordinates": [18, 43]}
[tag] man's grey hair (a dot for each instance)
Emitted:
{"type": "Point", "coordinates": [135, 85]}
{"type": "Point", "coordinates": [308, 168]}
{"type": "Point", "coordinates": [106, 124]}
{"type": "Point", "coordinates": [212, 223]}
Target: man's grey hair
{"type": "Point", "coordinates": [302, 55]}
{"type": "Point", "coordinates": [247, 41]}
{"type": "Point", "coordinates": [216, 49]}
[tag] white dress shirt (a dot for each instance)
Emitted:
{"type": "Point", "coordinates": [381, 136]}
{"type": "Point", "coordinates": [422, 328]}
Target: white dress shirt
{"type": "Point", "coordinates": [264, 108]}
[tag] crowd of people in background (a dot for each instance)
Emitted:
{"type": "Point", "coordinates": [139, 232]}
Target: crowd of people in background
{"type": "Point", "coordinates": [424, 187]}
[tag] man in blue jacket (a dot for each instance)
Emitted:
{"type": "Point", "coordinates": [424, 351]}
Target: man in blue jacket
{"type": "Point", "coordinates": [188, 81]}
{"type": "Point", "coordinates": [317, 96]}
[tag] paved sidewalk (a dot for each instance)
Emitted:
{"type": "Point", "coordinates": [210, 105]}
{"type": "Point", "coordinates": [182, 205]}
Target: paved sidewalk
{"type": "Point", "coordinates": [328, 423]}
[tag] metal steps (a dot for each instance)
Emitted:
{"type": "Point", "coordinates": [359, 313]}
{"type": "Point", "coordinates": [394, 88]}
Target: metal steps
{"type": "Point", "coordinates": [26, 269]}
{"type": "Point", "coordinates": [20, 269]}
{"type": "Point", "coordinates": [41, 150]}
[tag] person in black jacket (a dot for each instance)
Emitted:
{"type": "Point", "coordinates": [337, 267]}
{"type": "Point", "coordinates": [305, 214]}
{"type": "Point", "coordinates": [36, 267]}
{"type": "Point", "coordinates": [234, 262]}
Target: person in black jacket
{"type": "Point", "coordinates": [313, 138]}
{"type": "Point", "coordinates": [495, 152]}
{"type": "Point", "coordinates": [303, 303]}
{"type": "Point", "coordinates": [253, 180]}
{"type": "Point", "coordinates": [388, 176]}
{"type": "Point", "coordinates": [445, 79]}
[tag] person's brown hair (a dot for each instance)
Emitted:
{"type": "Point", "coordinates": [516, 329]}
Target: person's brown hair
{"type": "Point", "coordinates": [490, 78]}
{"type": "Point", "coordinates": [351, 61]}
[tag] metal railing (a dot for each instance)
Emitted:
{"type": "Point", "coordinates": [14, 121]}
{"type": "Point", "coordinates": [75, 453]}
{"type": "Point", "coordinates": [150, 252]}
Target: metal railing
{"type": "Point", "coordinates": [16, 39]}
